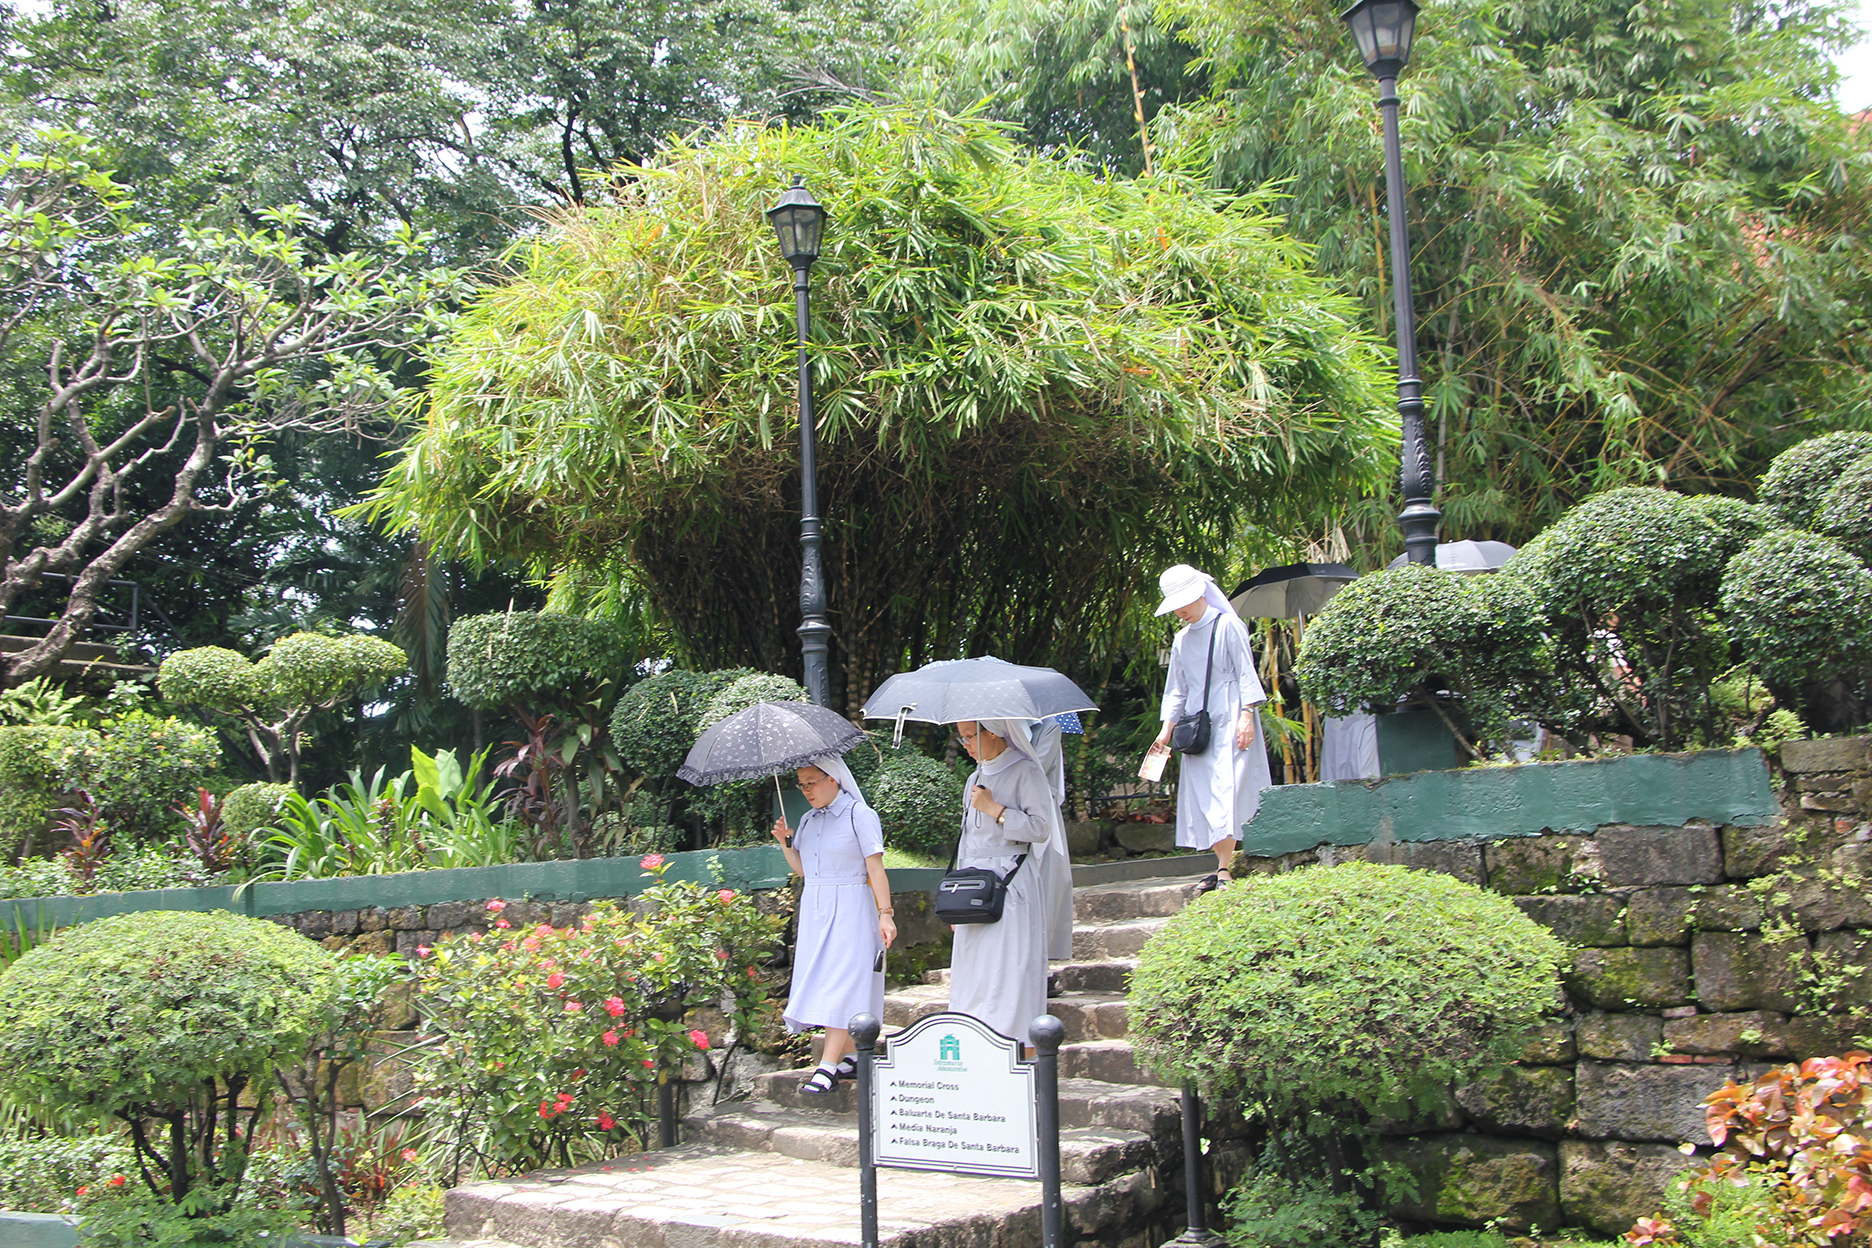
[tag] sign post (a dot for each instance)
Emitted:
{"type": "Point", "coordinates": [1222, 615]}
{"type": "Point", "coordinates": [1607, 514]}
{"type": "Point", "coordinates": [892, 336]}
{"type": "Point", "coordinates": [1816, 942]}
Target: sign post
{"type": "Point", "coordinates": [954, 1095]}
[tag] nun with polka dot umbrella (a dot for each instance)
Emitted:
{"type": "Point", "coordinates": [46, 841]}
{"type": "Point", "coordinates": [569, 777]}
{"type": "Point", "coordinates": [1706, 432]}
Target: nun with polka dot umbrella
{"type": "Point", "coordinates": [765, 740]}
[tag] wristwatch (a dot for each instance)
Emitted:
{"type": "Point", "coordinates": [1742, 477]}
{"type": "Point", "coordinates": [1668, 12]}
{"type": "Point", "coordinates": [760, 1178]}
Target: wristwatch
{"type": "Point", "coordinates": [1002, 817]}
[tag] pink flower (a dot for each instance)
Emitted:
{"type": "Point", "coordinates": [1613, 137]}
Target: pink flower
{"type": "Point", "coordinates": [614, 1006]}
{"type": "Point", "coordinates": [409, 1155]}
{"type": "Point", "coordinates": [610, 1038]}
{"type": "Point", "coordinates": [725, 896]}
{"type": "Point", "coordinates": [422, 951]}
{"type": "Point", "coordinates": [554, 980]}
{"type": "Point", "coordinates": [573, 1007]}
{"type": "Point", "coordinates": [497, 905]}
{"type": "Point", "coordinates": [530, 944]}
{"type": "Point", "coordinates": [699, 1038]}
{"type": "Point", "coordinates": [502, 923]}
{"type": "Point", "coordinates": [651, 862]}
{"type": "Point", "coordinates": [475, 938]}
{"type": "Point", "coordinates": [605, 1120]}
{"type": "Point", "coordinates": [543, 930]}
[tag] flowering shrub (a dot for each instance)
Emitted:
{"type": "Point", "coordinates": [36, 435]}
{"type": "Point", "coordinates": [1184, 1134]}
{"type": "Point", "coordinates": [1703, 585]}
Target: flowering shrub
{"type": "Point", "coordinates": [552, 1041]}
{"type": "Point", "coordinates": [1800, 1136]}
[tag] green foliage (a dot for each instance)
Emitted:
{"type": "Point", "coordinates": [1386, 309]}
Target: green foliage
{"type": "Point", "coordinates": [1006, 328]}
{"type": "Point", "coordinates": [40, 702]}
{"type": "Point", "coordinates": [128, 869]}
{"type": "Point", "coordinates": [742, 810]}
{"type": "Point", "coordinates": [552, 1041]}
{"type": "Point", "coordinates": [39, 1173]}
{"type": "Point", "coordinates": [1628, 584]}
{"type": "Point", "coordinates": [1799, 480]}
{"type": "Point", "coordinates": [1800, 607]}
{"type": "Point", "coordinates": [29, 786]}
{"type": "Point", "coordinates": [1381, 983]}
{"type": "Point", "coordinates": [1267, 1210]}
{"type": "Point", "coordinates": [918, 800]}
{"type": "Point", "coordinates": [527, 658]}
{"type": "Point", "coordinates": [132, 1217]}
{"type": "Point", "coordinates": [210, 676]}
{"type": "Point", "coordinates": [654, 722]}
{"type": "Point", "coordinates": [251, 807]}
{"type": "Point", "coordinates": [311, 669]}
{"type": "Point", "coordinates": [138, 768]}
{"type": "Point", "coordinates": [743, 692]}
{"type": "Point", "coordinates": [1728, 1218]}
{"type": "Point", "coordinates": [1401, 635]}
{"type": "Point", "coordinates": [1845, 514]}
{"type": "Point", "coordinates": [163, 1019]}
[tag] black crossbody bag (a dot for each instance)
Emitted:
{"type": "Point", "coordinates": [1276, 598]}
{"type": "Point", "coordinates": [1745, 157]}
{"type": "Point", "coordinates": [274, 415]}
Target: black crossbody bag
{"type": "Point", "coordinates": [972, 894]}
{"type": "Point", "coordinates": [1191, 734]}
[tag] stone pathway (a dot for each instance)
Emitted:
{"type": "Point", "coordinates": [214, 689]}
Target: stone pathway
{"type": "Point", "coordinates": [779, 1168]}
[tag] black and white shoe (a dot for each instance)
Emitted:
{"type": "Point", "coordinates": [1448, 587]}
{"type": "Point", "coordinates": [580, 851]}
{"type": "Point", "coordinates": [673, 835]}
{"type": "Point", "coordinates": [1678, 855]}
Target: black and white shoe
{"type": "Point", "coordinates": [821, 1081]}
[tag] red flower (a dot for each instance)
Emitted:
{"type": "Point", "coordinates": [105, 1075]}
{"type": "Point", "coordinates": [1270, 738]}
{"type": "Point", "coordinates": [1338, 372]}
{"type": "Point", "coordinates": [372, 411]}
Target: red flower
{"type": "Point", "coordinates": [547, 1109]}
{"type": "Point", "coordinates": [502, 923]}
{"type": "Point", "coordinates": [117, 1180]}
{"type": "Point", "coordinates": [614, 1006]}
{"type": "Point", "coordinates": [83, 1191]}
{"type": "Point", "coordinates": [699, 1038]}
{"type": "Point", "coordinates": [497, 905]}
{"type": "Point", "coordinates": [565, 1098]}
{"type": "Point", "coordinates": [554, 980]}
{"type": "Point", "coordinates": [610, 1038]}
{"type": "Point", "coordinates": [725, 896]}
{"type": "Point", "coordinates": [605, 1120]}
{"type": "Point", "coordinates": [543, 930]}
{"type": "Point", "coordinates": [573, 1007]}
{"type": "Point", "coordinates": [648, 1062]}
{"type": "Point", "coordinates": [530, 944]}
{"type": "Point", "coordinates": [651, 862]}
{"type": "Point", "coordinates": [410, 1155]}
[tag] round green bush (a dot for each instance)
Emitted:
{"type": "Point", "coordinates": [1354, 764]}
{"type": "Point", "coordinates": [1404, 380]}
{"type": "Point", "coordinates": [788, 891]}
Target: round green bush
{"type": "Point", "coordinates": [526, 657]}
{"type": "Point", "coordinates": [137, 769]}
{"type": "Point", "coordinates": [1341, 991]}
{"type": "Point", "coordinates": [1845, 515]}
{"type": "Point", "coordinates": [139, 1012]}
{"type": "Point", "coordinates": [1800, 607]}
{"type": "Point", "coordinates": [654, 722]}
{"type": "Point", "coordinates": [743, 810]}
{"type": "Point", "coordinates": [1799, 479]}
{"type": "Point", "coordinates": [744, 691]}
{"type": "Point", "coordinates": [918, 800]}
{"type": "Point", "coordinates": [252, 806]}
{"type": "Point", "coordinates": [311, 669]}
{"type": "Point", "coordinates": [210, 676]}
{"type": "Point", "coordinates": [30, 785]}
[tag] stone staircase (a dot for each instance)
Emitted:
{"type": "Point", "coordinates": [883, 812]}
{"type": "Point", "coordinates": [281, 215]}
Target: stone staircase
{"type": "Point", "coordinates": [780, 1167]}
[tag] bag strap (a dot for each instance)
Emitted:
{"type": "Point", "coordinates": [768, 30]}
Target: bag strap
{"type": "Point", "coordinates": [955, 856]}
{"type": "Point", "coordinates": [1209, 662]}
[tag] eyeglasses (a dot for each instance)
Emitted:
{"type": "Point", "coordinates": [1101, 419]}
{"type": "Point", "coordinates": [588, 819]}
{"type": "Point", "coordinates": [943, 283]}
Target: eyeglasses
{"type": "Point", "coordinates": [804, 785]}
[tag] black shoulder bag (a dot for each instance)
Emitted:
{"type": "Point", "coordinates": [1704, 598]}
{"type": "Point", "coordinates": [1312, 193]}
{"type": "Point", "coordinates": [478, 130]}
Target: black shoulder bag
{"type": "Point", "coordinates": [972, 894]}
{"type": "Point", "coordinates": [1191, 734]}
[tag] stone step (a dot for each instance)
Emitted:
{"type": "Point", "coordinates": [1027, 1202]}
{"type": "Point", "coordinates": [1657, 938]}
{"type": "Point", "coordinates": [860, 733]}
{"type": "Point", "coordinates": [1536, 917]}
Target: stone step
{"type": "Point", "coordinates": [1099, 942]}
{"type": "Point", "coordinates": [1089, 1155]}
{"type": "Point", "coordinates": [1110, 1061]}
{"type": "Point", "coordinates": [1112, 975]}
{"type": "Point", "coordinates": [1147, 1108]}
{"type": "Point", "coordinates": [1087, 1015]}
{"type": "Point", "coordinates": [1137, 899]}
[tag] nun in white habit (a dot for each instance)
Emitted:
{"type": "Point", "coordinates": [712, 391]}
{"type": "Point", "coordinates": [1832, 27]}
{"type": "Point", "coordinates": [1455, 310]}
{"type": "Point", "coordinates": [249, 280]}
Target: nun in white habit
{"type": "Point", "coordinates": [1219, 789]}
{"type": "Point", "coordinates": [998, 971]}
{"type": "Point", "coordinates": [845, 915]}
{"type": "Point", "coordinates": [1049, 748]}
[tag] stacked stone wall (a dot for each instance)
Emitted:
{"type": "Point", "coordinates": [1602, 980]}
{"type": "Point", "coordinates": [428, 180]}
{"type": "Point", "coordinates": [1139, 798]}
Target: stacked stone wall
{"type": "Point", "coordinates": [1703, 954]}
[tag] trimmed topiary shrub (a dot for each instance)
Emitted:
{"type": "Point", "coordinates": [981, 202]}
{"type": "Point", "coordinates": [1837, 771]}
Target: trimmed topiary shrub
{"type": "Point", "coordinates": [1628, 583]}
{"type": "Point", "coordinates": [527, 658]}
{"type": "Point", "coordinates": [1801, 477]}
{"type": "Point", "coordinates": [1379, 985]}
{"type": "Point", "coordinates": [742, 811]}
{"type": "Point", "coordinates": [172, 1022]}
{"type": "Point", "coordinates": [1800, 606]}
{"type": "Point", "coordinates": [137, 769]}
{"type": "Point", "coordinates": [252, 806]}
{"type": "Point", "coordinates": [653, 723]}
{"type": "Point", "coordinates": [1845, 515]}
{"type": "Point", "coordinates": [1402, 635]}
{"type": "Point", "coordinates": [918, 800]}
{"type": "Point", "coordinates": [744, 691]}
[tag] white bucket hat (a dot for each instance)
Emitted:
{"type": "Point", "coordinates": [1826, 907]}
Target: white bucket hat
{"type": "Point", "coordinates": [1180, 586]}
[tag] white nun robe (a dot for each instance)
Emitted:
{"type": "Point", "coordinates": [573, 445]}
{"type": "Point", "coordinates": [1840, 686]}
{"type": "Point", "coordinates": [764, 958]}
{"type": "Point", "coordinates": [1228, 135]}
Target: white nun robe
{"type": "Point", "coordinates": [1049, 747]}
{"type": "Point", "coordinates": [837, 933]}
{"type": "Point", "coordinates": [998, 971]}
{"type": "Point", "coordinates": [1219, 789]}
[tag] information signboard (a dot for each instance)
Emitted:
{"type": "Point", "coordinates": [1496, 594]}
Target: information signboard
{"type": "Point", "coordinates": [954, 1095]}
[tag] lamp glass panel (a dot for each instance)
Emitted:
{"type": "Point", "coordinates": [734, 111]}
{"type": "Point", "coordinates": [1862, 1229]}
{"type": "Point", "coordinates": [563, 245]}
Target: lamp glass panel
{"type": "Point", "coordinates": [1362, 22]}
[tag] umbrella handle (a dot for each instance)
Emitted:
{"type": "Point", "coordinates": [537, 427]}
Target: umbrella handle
{"type": "Point", "coordinates": [903, 713]}
{"type": "Point", "coordinates": [781, 799]}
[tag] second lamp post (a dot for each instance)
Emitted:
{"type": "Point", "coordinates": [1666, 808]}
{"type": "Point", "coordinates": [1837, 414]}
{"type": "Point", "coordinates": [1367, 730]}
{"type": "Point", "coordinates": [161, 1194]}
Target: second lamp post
{"type": "Point", "coordinates": [799, 221]}
{"type": "Point", "coordinates": [1383, 29]}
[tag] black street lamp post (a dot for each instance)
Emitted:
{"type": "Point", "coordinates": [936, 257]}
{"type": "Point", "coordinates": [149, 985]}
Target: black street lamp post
{"type": "Point", "coordinates": [799, 221]}
{"type": "Point", "coordinates": [1383, 29]}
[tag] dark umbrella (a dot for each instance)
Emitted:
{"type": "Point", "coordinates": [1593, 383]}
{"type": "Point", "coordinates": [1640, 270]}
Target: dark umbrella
{"type": "Point", "coordinates": [951, 690]}
{"type": "Point", "coordinates": [1290, 590]}
{"type": "Point", "coordinates": [765, 740]}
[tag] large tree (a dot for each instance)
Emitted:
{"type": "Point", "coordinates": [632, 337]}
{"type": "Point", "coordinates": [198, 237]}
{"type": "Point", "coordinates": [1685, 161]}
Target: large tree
{"type": "Point", "coordinates": [1036, 386]}
{"type": "Point", "coordinates": [135, 354]}
{"type": "Point", "coordinates": [1642, 235]}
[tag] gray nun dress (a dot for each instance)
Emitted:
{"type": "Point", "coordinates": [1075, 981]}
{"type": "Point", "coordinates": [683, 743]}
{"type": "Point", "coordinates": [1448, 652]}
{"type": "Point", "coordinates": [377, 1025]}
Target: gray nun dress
{"type": "Point", "coordinates": [838, 941]}
{"type": "Point", "coordinates": [1219, 789]}
{"type": "Point", "coordinates": [998, 971]}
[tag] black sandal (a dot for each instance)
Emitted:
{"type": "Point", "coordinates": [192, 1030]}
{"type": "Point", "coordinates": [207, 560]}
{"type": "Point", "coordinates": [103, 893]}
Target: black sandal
{"type": "Point", "coordinates": [847, 1067]}
{"type": "Point", "coordinates": [821, 1081]}
{"type": "Point", "coordinates": [1209, 883]}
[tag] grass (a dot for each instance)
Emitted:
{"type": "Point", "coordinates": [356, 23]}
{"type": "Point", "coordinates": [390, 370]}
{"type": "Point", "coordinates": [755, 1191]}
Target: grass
{"type": "Point", "coordinates": [903, 858]}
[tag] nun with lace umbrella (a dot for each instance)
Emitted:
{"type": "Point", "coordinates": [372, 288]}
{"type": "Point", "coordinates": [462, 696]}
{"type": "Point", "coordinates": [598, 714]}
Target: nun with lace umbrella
{"type": "Point", "coordinates": [846, 921]}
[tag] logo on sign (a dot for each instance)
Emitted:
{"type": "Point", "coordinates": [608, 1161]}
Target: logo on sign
{"type": "Point", "coordinates": [949, 1054]}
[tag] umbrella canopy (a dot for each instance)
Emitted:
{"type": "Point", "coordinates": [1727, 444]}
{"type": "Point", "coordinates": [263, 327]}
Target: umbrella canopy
{"type": "Point", "coordinates": [1470, 558]}
{"type": "Point", "coordinates": [765, 740]}
{"type": "Point", "coordinates": [1290, 590]}
{"type": "Point", "coordinates": [951, 690]}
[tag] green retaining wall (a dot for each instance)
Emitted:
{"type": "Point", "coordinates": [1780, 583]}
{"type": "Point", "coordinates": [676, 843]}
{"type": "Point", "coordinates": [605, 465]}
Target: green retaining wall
{"type": "Point", "coordinates": [588, 878]}
{"type": "Point", "coordinates": [1489, 803]}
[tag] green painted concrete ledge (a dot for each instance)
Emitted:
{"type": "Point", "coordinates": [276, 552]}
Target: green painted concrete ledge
{"type": "Point", "coordinates": [1489, 803]}
{"type": "Point", "coordinates": [761, 866]}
